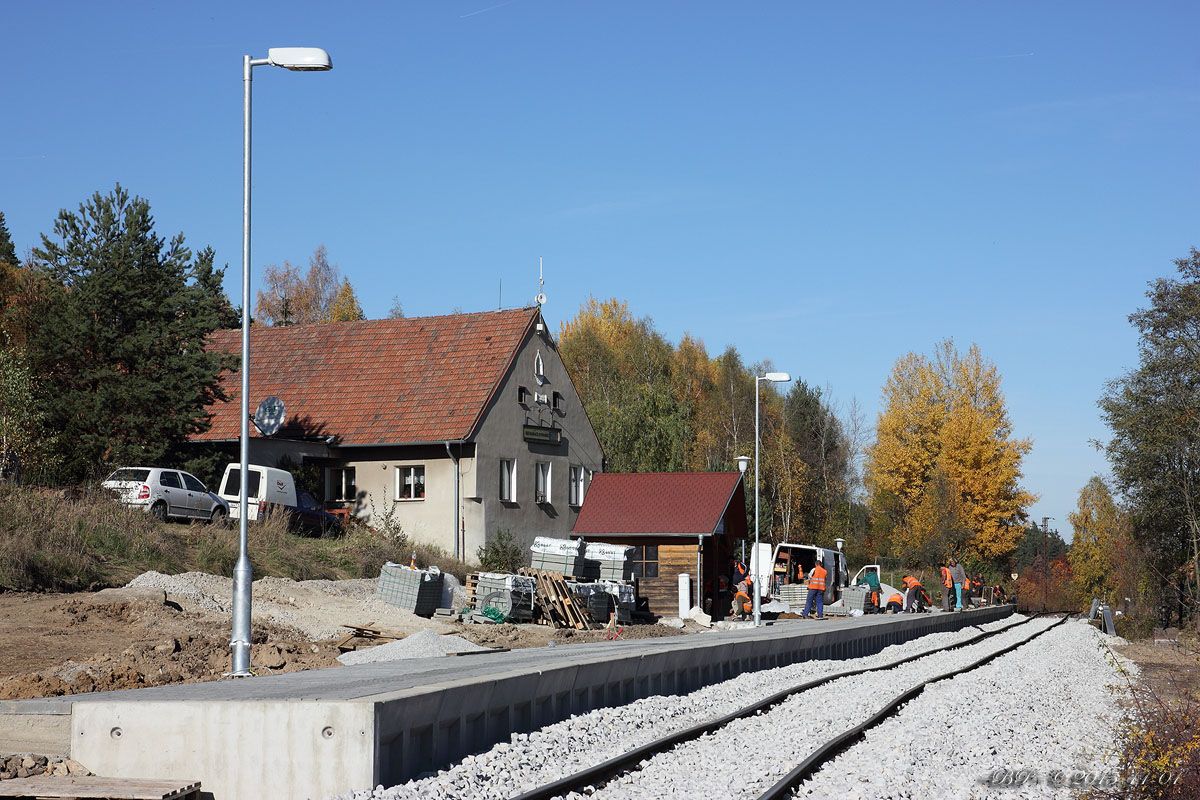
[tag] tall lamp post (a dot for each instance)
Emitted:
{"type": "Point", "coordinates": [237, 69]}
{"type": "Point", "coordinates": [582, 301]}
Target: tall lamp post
{"type": "Point", "coordinates": [743, 465]}
{"type": "Point", "coordinates": [773, 377]}
{"type": "Point", "coordinates": [1045, 558]}
{"type": "Point", "coordinates": [297, 59]}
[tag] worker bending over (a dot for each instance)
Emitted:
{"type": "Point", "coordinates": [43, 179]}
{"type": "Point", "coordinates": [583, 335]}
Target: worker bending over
{"type": "Point", "coordinates": [915, 596]}
{"type": "Point", "coordinates": [894, 604]}
{"type": "Point", "coordinates": [742, 602]}
{"type": "Point", "coordinates": [816, 592]}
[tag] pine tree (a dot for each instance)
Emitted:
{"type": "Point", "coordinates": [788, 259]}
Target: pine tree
{"type": "Point", "coordinates": [8, 252]}
{"type": "Point", "coordinates": [120, 344]}
{"type": "Point", "coordinates": [345, 307]}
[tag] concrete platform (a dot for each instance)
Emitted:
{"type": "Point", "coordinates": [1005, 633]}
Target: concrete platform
{"type": "Point", "coordinates": [323, 732]}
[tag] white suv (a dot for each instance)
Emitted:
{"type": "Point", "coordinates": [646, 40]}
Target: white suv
{"type": "Point", "coordinates": [166, 493]}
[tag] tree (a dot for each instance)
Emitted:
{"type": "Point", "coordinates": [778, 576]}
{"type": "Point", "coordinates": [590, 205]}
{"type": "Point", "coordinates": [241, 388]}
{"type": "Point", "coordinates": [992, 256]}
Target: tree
{"type": "Point", "coordinates": [1101, 531]}
{"type": "Point", "coordinates": [821, 444]}
{"type": "Point", "coordinates": [1036, 545]}
{"type": "Point", "coordinates": [8, 251]}
{"type": "Point", "coordinates": [287, 297]}
{"type": "Point", "coordinates": [119, 347]}
{"type": "Point", "coordinates": [8, 267]}
{"type": "Point", "coordinates": [26, 447]}
{"type": "Point", "coordinates": [397, 309]}
{"type": "Point", "coordinates": [1154, 415]}
{"type": "Point", "coordinates": [345, 307]}
{"type": "Point", "coordinates": [945, 425]}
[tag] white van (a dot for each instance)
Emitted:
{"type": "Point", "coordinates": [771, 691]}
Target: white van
{"type": "Point", "coordinates": [267, 486]}
{"type": "Point", "coordinates": [773, 567]}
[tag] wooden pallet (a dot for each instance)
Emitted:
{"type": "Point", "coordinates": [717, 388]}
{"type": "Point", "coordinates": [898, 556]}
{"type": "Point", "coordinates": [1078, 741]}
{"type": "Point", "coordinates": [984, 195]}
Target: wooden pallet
{"type": "Point", "coordinates": [556, 601]}
{"type": "Point", "coordinates": [368, 632]}
{"type": "Point", "coordinates": [51, 786]}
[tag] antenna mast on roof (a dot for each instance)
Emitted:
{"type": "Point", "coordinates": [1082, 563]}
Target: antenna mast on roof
{"type": "Point", "coordinates": [540, 298]}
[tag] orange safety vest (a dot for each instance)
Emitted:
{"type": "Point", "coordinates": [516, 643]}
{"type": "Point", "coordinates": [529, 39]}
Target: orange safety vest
{"type": "Point", "coordinates": [816, 578]}
{"type": "Point", "coordinates": [747, 603]}
{"type": "Point", "coordinates": [946, 579]}
{"type": "Point", "coordinates": [897, 599]}
{"type": "Point", "coordinates": [909, 582]}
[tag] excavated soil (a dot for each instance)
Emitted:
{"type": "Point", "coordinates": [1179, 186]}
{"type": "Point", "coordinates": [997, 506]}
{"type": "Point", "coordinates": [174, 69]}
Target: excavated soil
{"type": "Point", "coordinates": [68, 644]}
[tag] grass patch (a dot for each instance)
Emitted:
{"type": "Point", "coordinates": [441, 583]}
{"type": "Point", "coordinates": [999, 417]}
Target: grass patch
{"type": "Point", "coordinates": [77, 540]}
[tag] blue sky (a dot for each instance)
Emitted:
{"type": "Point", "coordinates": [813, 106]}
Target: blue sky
{"type": "Point", "coordinates": [827, 186]}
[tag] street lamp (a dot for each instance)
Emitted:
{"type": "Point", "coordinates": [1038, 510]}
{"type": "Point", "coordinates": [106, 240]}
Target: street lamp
{"type": "Point", "coordinates": [743, 464]}
{"type": "Point", "coordinates": [773, 377]}
{"type": "Point", "coordinates": [297, 59]}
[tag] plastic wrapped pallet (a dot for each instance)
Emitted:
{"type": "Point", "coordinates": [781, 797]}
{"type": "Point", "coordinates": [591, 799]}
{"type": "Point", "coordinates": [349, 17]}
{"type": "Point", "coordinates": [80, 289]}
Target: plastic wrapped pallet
{"type": "Point", "coordinates": [604, 597]}
{"type": "Point", "coordinates": [511, 595]}
{"type": "Point", "coordinates": [564, 556]}
{"type": "Point", "coordinates": [607, 562]}
{"type": "Point", "coordinates": [795, 595]}
{"type": "Point", "coordinates": [415, 590]}
{"type": "Point", "coordinates": [855, 598]}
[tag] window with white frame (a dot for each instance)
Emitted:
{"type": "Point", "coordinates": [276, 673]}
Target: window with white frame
{"type": "Point", "coordinates": [541, 489]}
{"type": "Point", "coordinates": [578, 485]}
{"type": "Point", "coordinates": [339, 484]}
{"type": "Point", "coordinates": [508, 480]}
{"type": "Point", "coordinates": [410, 483]}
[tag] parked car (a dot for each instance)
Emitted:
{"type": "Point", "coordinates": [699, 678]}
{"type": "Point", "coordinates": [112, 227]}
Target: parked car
{"type": "Point", "coordinates": [273, 491]}
{"type": "Point", "coordinates": [166, 493]}
{"type": "Point", "coordinates": [310, 517]}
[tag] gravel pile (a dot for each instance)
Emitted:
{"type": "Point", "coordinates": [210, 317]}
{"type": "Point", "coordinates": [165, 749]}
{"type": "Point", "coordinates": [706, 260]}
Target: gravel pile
{"type": "Point", "coordinates": [422, 644]}
{"type": "Point", "coordinates": [1065, 725]}
{"type": "Point", "coordinates": [317, 609]}
{"type": "Point", "coordinates": [765, 747]}
{"type": "Point", "coordinates": [529, 760]}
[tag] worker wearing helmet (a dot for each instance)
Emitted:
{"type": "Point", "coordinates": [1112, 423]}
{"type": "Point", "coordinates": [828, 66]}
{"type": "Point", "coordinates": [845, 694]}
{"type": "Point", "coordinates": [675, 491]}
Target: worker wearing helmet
{"type": "Point", "coordinates": [816, 592]}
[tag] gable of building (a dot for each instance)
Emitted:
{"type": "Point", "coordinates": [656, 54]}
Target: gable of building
{"type": "Point", "coordinates": [663, 504]}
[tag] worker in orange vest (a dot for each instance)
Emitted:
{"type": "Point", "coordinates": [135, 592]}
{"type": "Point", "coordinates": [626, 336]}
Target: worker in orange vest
{"type": "Point", "coordinates": [742, 602]}
{"type": "Point", "coordinates": [816, 592]}
{"type": "Point", "coordinates": [948, 585]}
{"type": "Point", "coordinates": [914, 594]}
{"type": "Point", "coordinates": [893, 604]}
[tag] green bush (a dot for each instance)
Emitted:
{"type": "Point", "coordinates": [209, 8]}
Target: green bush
{"type": "Point", "coordinates": [502, 554]}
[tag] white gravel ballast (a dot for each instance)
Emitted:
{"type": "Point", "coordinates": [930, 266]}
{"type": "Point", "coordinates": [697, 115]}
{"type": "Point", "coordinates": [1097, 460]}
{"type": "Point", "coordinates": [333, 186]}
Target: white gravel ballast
{"type": "Point", "coordinates": [530, 760]}
{"type": "Point", "coordinates": [749, 755]}
{"type": "Point", "coordinates": [1028, 725]}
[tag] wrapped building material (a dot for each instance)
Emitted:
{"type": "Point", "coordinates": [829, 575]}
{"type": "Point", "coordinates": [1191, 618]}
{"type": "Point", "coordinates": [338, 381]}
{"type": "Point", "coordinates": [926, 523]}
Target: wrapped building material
{"type": "Point", "coordinates": [511, 595]}
{"type": "Point", "coordinates": [607, 562]}
{"type": "Point", "coordinates": [604, 597]}
{"type": "Point", "coordinates": [564, 556]}
{"type": "Point", "coordinates": [415, 590]}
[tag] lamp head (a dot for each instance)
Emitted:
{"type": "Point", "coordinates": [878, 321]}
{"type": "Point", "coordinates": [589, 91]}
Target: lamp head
{"type": "Point", "coordinates": [300, 59]}
{"type": "Point", "coordinates": [777, 377]}
{"type": "Point", "coordinates": [743, 463]}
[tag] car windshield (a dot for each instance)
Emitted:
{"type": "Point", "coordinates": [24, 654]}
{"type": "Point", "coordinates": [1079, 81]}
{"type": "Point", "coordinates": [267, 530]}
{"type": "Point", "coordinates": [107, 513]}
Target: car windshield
{"type": "Point", "coordinates": [130, 474]}
{"type": "Point", "coordinates": [306, 502]}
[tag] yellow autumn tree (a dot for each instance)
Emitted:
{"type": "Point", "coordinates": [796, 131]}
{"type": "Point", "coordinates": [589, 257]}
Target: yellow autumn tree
{"type": "Point", "coordinates": [945, 418]}
{"type": "Point", "coordinates": [1101, 539]}
{"type": "Point", "coordinates": [345, 307]}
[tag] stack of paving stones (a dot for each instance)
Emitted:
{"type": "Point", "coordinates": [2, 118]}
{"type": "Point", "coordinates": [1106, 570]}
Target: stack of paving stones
{"type": "Point", "coordinates": [511, 595]}
{"type": "Point", "coordinates": [564, 556]}
{"type": "Point", "coordinates": [855, 598]}
{"type": "Point", "coordinates": [606, 562]}
{"type": "Point", "coordinates": [415, 590]}
{"type": "Point", "coordinates": [26, 765]}
{"type": "Point", "coordinates": [794, 594]}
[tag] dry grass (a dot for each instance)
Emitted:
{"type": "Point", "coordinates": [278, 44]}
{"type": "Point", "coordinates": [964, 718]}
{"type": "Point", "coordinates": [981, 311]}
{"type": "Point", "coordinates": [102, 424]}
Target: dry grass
{"type": "Point", "coordinates": [76, 540]}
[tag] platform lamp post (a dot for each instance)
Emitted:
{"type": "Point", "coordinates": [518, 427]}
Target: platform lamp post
{"type": "Point", "coordinates": [743, 465]}
{"type": "Point", "coordinates": [297, 59]}
{"type": "Point", "coordinates": [773, 377]}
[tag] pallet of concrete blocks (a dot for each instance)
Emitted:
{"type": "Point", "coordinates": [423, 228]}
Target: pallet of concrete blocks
{"type": "Point", "coordinates": [603, 598]}
{"type": "Point", "coordinates": [795, 595]}
{"type": "Point", "coordinates": [856, 598]}
{"type": "Point", "coordinates": [415, 590]}
{"type": "Point", "coordinates": [564, 556]}
{"type": "Point", "coordinates": [510, 595]}
{"type": "Point", "coordinates": [606, 562]}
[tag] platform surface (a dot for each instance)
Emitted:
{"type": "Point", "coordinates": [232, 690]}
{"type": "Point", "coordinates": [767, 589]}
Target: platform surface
{"type": "Point", "coordinates": [367, 681]}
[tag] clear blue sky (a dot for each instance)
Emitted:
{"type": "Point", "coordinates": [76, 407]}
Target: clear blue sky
{"type": "Point", "coordinates": [827, 186]}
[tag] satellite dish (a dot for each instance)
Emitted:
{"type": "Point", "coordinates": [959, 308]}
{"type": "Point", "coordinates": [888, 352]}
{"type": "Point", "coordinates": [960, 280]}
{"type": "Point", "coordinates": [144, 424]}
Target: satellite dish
{"type": "Point", "coordinates": [270, 416]}
{"type": "Point", "coordinates": [540, 299]}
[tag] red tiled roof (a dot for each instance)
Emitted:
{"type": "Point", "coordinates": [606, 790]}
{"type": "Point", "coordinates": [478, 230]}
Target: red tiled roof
{"type": "Point", "coordinates": [421, 379]}
{"type": "Point", "coordinates": [658, 503]}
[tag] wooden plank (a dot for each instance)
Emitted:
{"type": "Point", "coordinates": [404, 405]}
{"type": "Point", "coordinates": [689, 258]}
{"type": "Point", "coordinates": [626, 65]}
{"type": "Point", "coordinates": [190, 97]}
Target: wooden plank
{"type": "Point", "coordinates": [64, 786]}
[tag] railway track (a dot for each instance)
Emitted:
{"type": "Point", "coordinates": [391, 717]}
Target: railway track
{"type": "Point", "coordinates": [627, 765]}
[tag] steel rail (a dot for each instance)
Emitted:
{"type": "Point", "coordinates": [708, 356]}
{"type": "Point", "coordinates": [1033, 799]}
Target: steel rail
{"type": "Point", "coordinates": [843, 741]}
{"type": "Point", "coordinates": [599, 774]}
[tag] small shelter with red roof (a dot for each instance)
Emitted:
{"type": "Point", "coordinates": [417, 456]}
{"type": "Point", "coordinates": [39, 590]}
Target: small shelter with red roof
{"type": "Point", "coordinates": [452, 427]}
{"type": "Point", "coordinates": [677, 522]}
